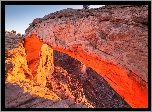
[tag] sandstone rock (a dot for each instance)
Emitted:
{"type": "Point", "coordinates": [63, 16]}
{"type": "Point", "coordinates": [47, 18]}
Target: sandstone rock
{"type": "Point", "coordinates": [16, 98]}
{"type": "Point", "coordinates": [60, 104]}
{"type": "Point", "coordinates": [69, 102]}
{"type": "Point", "coordinates": [17, 71]}
{"type": "Point", "coordinates": [11, 40]}
{"type": "Point", "coordinates": [84, 106]}
{"type": "Point", "coordinates": [46, 65]}
{"type": "Point", "coordinates": [111, 38]}
{"type": "Point", "coordinates": [76, 106]}
{"type": "Point", "coordinates": [96, 91]}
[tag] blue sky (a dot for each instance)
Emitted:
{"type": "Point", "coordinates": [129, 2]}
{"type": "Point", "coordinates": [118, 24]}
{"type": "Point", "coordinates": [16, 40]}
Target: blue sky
{"type": "Point", "coordinates": [18, 17]}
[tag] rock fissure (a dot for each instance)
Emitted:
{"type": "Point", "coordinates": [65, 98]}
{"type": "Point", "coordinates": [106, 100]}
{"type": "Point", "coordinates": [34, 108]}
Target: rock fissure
{"type": "Point", "coordinates": [130, 75]}
{"type": "Point", "coordinates": [24, 103]}
{"type": "Point", "coordinates": [110, 80]}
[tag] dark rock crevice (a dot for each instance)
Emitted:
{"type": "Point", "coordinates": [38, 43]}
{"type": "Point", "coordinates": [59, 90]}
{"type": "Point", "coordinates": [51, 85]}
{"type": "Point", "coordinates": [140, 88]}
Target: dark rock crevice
{"type": "Point", "coordinates": [96, 90]}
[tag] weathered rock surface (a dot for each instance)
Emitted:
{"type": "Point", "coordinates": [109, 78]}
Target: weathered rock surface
{"type": "Point", "coordinates": [71, 81]}
{"type": "Point", "coordinates": [15, 97]}
{"type": "Point", "coordinates": [20, 92]}
{"type": "Point", "coordinates": [112, 40]}
{"type": "Point", "coordinates": [11, 40]}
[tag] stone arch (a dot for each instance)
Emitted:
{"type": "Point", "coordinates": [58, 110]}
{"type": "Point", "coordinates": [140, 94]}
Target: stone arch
{"type": "Point", "coordinates": [125, 83]}
{"type": "Point", "coordinates": [115, 49]}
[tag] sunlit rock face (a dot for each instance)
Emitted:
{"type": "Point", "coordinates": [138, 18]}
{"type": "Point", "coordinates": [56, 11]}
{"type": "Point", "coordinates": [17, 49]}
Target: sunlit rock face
{"type": "Point", "coordinates": [112, 40]}
{"type": "Point", "coordinates": [17, 72]}
{"type": "Point", "coordinates": [25, 90]}
{"type": "Point", "coordinates": [46, 64]}
{"type": "Point", "coordinates": [78, 82]}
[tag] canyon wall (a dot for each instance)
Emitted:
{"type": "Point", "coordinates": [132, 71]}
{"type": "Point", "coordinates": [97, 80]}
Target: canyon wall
{"type": "Point", "coordinates": [112, 40]}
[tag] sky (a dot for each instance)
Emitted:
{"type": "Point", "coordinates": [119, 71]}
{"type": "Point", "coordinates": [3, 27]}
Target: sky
{"type": "Point", "coordinates": [18, 17]}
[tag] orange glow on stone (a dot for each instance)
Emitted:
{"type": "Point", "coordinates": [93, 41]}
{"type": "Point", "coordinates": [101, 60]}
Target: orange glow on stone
{"type": "Point", "coordinates": [123, 82]}
{"type": "Point", "coordinates": [21, 74]}
{"type": "Point", "coordinates": [32, 48]}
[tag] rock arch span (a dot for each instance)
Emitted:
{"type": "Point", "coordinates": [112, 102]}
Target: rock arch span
{"type": "Point", "coordinates": [111, 43]}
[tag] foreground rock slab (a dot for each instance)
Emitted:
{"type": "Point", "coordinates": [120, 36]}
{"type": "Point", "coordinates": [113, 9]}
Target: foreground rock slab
{"type": "Point", "coordinates": [15, 97]}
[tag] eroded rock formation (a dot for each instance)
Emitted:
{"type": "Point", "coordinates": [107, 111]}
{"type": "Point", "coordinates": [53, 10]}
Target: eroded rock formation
{"type": "Point", "coordinates": [22, 90]}
{"type": "Point", "coordinates": [70, 80]}
{"type": "Point", "coordinates": [112, 40]}
{"type": "Point", "coordinates": [16, 97]}
{"type": "Point", "coordinates": [11, 40]}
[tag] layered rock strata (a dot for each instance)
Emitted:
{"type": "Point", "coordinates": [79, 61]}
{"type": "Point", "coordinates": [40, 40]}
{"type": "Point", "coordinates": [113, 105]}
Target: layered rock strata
{"type": "Point", "coordinates": [112, 40]}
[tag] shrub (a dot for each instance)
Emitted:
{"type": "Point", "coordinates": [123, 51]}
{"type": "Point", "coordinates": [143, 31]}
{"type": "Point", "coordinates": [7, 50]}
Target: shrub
{"type": "Point", "coordinates": [86, 6]}
{"type": "Point", "coordinates": [13, 31]}
{"type": "Point", "coordinates": [19, 34]}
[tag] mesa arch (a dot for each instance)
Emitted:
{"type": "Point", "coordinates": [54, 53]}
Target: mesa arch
{"type": "Point", "coordinates": [112, 40]}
